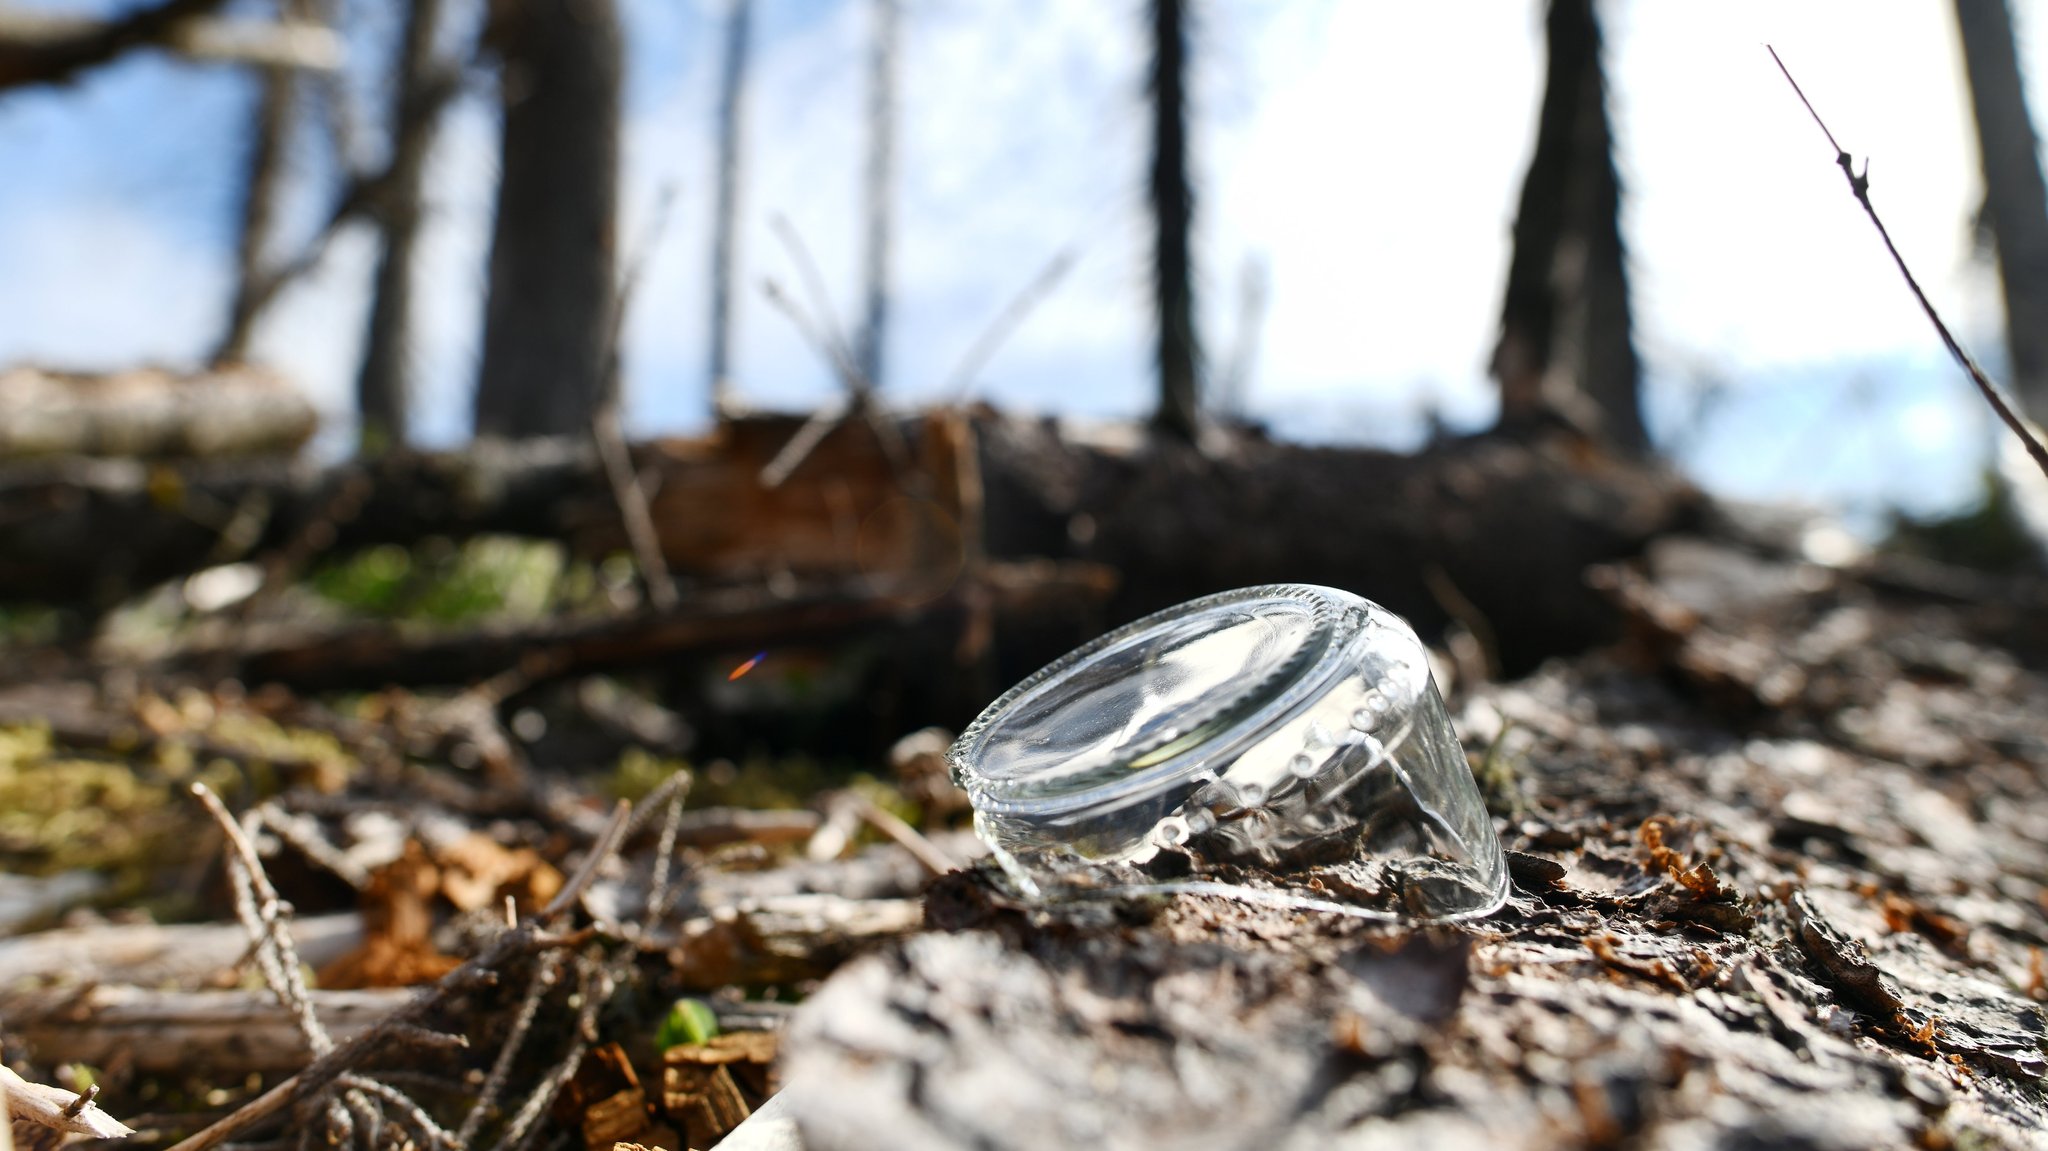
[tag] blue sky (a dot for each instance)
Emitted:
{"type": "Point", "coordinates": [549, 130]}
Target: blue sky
{"type": "Point", "coordinates": [1365, 155]}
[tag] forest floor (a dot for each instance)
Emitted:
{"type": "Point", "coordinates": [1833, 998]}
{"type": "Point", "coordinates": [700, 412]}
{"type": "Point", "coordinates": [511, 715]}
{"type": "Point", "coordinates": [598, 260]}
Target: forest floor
{"type": "Point", "coordinates": [1780, 865]}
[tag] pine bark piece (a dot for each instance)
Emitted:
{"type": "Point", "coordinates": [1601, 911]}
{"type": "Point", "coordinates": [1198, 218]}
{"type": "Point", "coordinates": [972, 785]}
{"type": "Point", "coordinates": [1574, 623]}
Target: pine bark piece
{"type": "Point", "coordinates": [705, 1100]}
{"type": "Point", "coordinates": [748, 1055]}
{"type": "Point", "coordinates": [615, 1119]}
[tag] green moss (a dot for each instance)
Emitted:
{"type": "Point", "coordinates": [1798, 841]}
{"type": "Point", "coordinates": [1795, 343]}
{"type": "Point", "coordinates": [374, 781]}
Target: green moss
{"type": "Point", "coordinates": [60, 812]}
{"type": "Point", "coordinates": [443, 582]}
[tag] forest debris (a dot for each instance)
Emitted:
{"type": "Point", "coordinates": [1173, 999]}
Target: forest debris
{"type": "Point", "coordinates": [1845, 961]}
{"type": "Point", "coordinates": [923, 775]}
{"type": "Point", "coordinates": [704, 1099]}
{"type": "Point", "coordinates": [748, 1055]}
{"type": "Point", "coordinates": [57, 1109]}
{"type": "Point", "coordinates": [398, 924]}
{"type": "Point", "coordinates": [716, 826]}
{"type": "Point", "coordinates": [784, 939]}
{"type": "Point", "coordinates": [146, 953]}
{"type": "Point", "coordinates": [478, 872]}
{"type": "Point", "coordinates": [605, 1101]}
{"type": "Point", "coordinates": [228, 1032]}
{"type": "Point", "coordinates": [151, 413]}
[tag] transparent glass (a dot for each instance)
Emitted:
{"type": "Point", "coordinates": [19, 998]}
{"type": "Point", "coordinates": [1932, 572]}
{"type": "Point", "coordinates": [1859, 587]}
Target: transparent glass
{"type": "Point", "coordinates": [1281, 744]}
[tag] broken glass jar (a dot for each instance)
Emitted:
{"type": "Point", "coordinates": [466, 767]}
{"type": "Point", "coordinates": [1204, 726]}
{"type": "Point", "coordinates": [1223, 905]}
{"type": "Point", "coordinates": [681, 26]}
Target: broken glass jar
{"type": "Point", "coordinates": [1282, 744]}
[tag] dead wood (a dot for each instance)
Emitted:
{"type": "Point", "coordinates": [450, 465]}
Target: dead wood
{"type": "Point", "coordinates": [227, 1034]}
{"type": "Point", "coordinates": [233, 410]}
{"type": "Point", "coordinates": [1509, 527]}
{"type": "Point", "coordinates": [56, 1109]}
{"type": "Point", "coordinates": [376, 655]}
{"type": "Point", "coordinates": [156, 956]}
{"type": "Point", "coordinates": [1782, 883]}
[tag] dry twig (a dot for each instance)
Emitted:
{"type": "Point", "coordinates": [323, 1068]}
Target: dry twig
{"type": "Point", "coordinates": [1859, 187]}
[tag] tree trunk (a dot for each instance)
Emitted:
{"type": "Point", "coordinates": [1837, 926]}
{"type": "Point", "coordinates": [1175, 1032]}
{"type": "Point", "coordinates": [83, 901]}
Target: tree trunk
{"type": "Point", "coordinates": [272, 138]}
{"type": "Point", "coordinates": [1179, 410]}
{"type": "Point", "coordinates": [732, 91]}
{"type": "Point", "coordinates": [2015, 199]}
{"type": "Point", "coordinates": [1566, 352]}
{"type": "Point", "coordinates": [383, 385]}
{"type": "Point", "coordinates": [553, 249]}
{"type": "Point", "coordinates": [881, 182]}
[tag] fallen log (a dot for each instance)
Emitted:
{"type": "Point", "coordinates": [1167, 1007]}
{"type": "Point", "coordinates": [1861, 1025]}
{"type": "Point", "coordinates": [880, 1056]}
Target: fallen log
{"type": "Point", "coordinates": [1506, 528]}
{"type": "Point", "coordinates": [150, 413]}
{"type": "Point", "coordinates": [211, 1032]}
{"type": "Point", "coordinates": [380, 654]}
{"type": "Point", "coordinates": [184, 955]}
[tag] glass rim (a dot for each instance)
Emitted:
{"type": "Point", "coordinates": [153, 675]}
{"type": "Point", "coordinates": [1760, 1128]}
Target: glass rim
{"type": "Point", "coordinates": [1221, 725]}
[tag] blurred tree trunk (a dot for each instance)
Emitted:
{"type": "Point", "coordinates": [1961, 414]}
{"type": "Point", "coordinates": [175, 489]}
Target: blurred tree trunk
{"type": "Point", "coordinates": [1566, 351]}
{"type": "Point", "coordinates": [1172, 200]}
{"type": "Point", "coordinates": [2015, 199]}
{"type": "Point", "coordinates": [270, 141]}
{"type": "Point", "coordinates": [553, 248]}
{"type": "Point", "coordinates": [732, 89]}
{"type": "Point", "coordinates": [1172, 203]}
{"type": "Point", "coordinates": [383, 385]}
{"type": "Point", "coordinates": [881, 186]}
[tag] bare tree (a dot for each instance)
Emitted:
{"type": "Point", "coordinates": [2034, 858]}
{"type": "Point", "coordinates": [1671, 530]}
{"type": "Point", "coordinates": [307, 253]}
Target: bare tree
{"type": "Point", "coordinates": [732, 90]}
{"type": "Point", "coordinates": [276, 111]}
{"type": "Point", "coordinates": [553, 248]}
{"type": "Point", "coordinates": [383, 384]}
{"type": "Point", "coordinates": [384, 381]}
{"type": "Point", "coordinates": [38, 49]}
{"type": "Point", "coordinates": [1172, 201]}
{"type": "Point", "coordinates": [1566, 350]}
{"type": "Point", "coordinates": [2015, 198]}
{"type": "Point", "coordinates": [880, 185]}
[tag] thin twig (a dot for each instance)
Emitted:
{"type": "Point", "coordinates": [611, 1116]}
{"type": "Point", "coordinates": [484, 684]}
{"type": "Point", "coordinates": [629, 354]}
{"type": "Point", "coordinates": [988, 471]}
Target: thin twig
{"type": "Point", "coordinates": [1859, 186]}
{"type": "Point", "coordinates": [544, 975]}
{"type": "Point", "coordinates": [607, 427]}
{"type": "Point", "coordinates": [814, 286]}
{"type": "Point", "coordinates": [594, 992]}
{"type": "Point", "coordinates": [293, 830]}
{"type": "Point", "coordinates": [909, 838]}
{"type": "Point", "coordinates": [350, 1054]}
{"type": "Point", "coordinates": [415, 1116]}
{"type": "Point", "coordinates": [665, 848]}
{"type": "Point", "coordinates": [267, 919]}
{"type": "Point", "coordinates": [1008, 321]}
{"type": "Point", "coordinates": [608, 841]}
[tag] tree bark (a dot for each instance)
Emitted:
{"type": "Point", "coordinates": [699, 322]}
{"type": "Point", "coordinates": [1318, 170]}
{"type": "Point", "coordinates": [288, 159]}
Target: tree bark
{"type": "Point", "coordinates": [881, 186]}
{"type": "Point", "coordinates": [553, 250]}
{"type": "Point", "coordinates": [1179, 411]}
{"type": "Point", "coordinates": [732, 90]}
{"type": "Point", "coordinates": [383, 384]}
{"type": "Point", "coordinates": [2015, 197]}
{"type": "Point", "coordinates": [1566, 352]}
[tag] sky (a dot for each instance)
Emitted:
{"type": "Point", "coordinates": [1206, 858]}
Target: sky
{"type": "Point", "coordinates": [1360, 158]}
